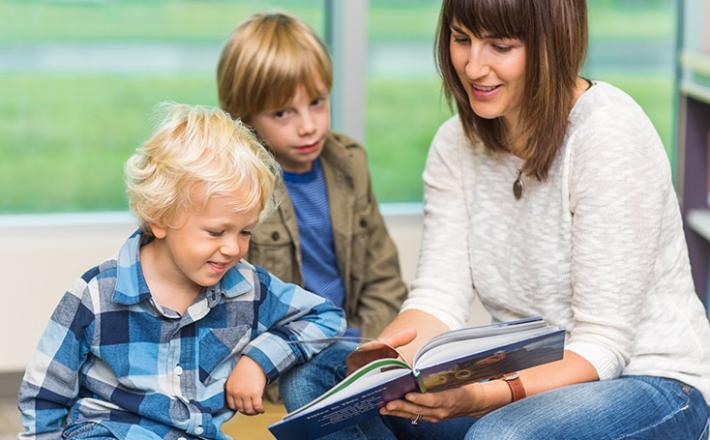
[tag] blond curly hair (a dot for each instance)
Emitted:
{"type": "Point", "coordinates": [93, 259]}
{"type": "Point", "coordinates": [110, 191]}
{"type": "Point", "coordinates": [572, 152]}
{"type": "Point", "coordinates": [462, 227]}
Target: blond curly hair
{"type": "Point", "coordinates": [203, 148]}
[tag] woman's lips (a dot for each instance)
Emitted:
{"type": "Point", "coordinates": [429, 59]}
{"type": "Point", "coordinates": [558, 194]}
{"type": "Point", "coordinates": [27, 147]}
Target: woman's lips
{"type": "Point", "coordinates": [485, 92]}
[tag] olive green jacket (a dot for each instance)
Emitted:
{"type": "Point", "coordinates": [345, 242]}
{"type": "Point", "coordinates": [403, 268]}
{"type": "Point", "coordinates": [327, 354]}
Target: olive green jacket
{"type": "Point", "coordinates": [366, 256]}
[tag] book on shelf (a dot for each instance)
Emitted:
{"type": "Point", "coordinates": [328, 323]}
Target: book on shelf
{"type": "Point", "coordinates": [451, 359]}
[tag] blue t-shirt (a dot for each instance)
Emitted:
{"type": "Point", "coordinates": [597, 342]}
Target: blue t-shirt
{"type": "Point", "coordinates": [309, 196]}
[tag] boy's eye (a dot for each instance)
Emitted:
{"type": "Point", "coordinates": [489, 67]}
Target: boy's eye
{"type": "Point", "coordinates": [318, 101]}
{"type": "Point", "coordinates": [214, 233]}
{"type": "Point", "coordinates": [246, 233]}
{"type": "Point", "coordinates": [279, 114]}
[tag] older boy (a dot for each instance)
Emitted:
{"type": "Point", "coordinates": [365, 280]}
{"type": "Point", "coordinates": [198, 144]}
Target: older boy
{"type": "Point", "coordinates": [141, 346]}
{"type": "Point", "coordinates": [328, 234]}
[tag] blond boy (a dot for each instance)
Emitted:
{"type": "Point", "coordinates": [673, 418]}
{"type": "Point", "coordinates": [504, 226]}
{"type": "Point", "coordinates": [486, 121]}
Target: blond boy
{"type": "Point", "coordinates": [142, 344]}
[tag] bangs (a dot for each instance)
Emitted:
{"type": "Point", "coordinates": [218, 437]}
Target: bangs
{"type": "Point", "coordinates": [497, 18]}
{"type": "Point", "coordinates": [294, 73]}
{"type": "Point", "coordinates": [288, 64]}
{"type": "Point", "coordinates": [265, 61]}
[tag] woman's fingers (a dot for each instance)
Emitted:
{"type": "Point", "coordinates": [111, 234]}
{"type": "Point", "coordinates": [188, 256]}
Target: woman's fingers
{"type": "Point", "coordinates": [400, 338]}
{"type": "Point", "coordinates": [403, 408]}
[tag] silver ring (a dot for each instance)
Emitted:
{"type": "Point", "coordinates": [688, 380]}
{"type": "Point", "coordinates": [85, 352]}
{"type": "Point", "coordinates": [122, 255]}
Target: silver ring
{"type": "Point", "coordinates": [415, 420]}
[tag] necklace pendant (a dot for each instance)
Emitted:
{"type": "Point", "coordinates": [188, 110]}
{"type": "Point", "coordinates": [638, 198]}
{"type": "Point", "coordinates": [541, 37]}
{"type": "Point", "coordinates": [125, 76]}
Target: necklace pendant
{"type": "Point", "coordinates": [518, 188]}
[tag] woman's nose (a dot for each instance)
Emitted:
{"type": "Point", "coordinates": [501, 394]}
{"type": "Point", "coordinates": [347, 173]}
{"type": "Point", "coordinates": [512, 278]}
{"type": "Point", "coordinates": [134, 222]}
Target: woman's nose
{"type": "Point", "coordinates": [477, 65]}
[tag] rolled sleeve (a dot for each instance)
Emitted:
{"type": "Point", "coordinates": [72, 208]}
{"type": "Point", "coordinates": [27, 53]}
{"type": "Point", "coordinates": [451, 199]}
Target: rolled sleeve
{"type": "Point", "coordinates": [288, 314]}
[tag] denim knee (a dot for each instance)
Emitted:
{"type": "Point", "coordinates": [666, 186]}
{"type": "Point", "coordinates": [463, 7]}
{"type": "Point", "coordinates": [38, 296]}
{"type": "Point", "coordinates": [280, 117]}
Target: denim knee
{"type": "Point", "coordinates": [498, 426]}
{"type": "Point", "coordinates": [306, 382]}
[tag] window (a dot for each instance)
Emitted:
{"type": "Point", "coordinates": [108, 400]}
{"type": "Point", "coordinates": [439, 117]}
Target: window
{"type": "Point", "coordinates": [404, 103]}
{"type": "Point", "coordinates": [80, 80]}
{"type": "Point", "coordinates": [638, 58]}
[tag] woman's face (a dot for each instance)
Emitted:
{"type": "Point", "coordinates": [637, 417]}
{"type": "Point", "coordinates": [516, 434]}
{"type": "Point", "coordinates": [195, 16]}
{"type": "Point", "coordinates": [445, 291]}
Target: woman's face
{"type": "Point", "coordinates": [492, 71]}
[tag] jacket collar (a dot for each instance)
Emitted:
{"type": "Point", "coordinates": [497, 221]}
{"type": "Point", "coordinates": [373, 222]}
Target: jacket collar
{"type": "Point", "coordinates": [337, 155]}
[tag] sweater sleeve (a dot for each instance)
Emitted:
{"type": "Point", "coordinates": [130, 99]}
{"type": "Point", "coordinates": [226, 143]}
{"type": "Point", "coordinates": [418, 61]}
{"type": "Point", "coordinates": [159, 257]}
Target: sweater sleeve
{"type": "Point", "coordinates": [619, 187]}
{"type": "Point", "coordinates": [443, 286]}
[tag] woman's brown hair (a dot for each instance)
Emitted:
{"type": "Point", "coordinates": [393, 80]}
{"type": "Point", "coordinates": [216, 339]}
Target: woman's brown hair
{"type": "Point", "coordinates": [554, 33]}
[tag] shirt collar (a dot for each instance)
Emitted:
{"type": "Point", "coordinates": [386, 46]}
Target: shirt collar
{"type": "Point", "coordinates": [131, 287]}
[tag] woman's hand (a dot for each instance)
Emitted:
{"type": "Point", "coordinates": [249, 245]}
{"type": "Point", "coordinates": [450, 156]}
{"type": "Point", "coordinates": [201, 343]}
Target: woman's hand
{"type": "Point", "coordinates": [400, 338]}
{"type": "Point", "coordinates": [245, 387]}
{"type": "Point", "coordinates": [474, 400]}
{"type": "Point", "coordinates": [379, 349]}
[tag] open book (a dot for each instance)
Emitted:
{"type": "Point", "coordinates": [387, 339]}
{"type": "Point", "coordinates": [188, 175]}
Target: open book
{"type": "Point", "coordinates": [451, 359]}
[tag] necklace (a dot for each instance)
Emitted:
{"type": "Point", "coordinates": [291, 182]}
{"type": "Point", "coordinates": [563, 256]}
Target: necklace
{"type": "Point", "coordinates": [518, 185]}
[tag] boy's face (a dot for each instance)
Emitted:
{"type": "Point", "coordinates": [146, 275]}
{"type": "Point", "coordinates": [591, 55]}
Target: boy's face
{"type": "Point", "coordinates": [207, 243]}
{"type": "Point", "coordinates": [296, 132]}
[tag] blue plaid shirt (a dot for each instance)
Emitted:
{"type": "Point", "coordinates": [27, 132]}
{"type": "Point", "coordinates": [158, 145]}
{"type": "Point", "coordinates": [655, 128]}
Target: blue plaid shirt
{"type": "Point", "coordinates": [111, 355]}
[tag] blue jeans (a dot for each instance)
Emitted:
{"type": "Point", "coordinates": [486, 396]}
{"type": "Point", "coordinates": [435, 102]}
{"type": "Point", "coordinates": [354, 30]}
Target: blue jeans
{"type": "Point", "coordinates": [629, 408]}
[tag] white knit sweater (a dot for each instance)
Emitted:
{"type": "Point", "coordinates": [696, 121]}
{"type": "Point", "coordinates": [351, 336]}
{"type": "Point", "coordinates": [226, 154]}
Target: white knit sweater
{"type": "Point", "coordinates": [597, 248]}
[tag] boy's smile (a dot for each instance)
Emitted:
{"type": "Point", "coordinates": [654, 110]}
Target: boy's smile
{"type": "Point", "coordinates": [296, 133]}
{"type": "Point", "coordinates": [199, 250]}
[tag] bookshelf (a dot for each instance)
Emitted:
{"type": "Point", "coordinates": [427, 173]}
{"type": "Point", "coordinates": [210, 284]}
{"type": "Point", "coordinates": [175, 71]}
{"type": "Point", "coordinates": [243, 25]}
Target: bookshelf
{"type": "Point", "coordinates": [694, 139]}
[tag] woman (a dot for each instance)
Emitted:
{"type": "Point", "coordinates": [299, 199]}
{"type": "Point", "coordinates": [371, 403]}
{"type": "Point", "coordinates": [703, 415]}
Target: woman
{"type": "Point", "coordinates": [549, 194]}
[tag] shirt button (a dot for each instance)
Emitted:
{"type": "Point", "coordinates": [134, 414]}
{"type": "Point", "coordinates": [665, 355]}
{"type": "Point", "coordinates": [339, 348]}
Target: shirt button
{"type": "Point", "coordinates": [199, 430]}
{"type": "Point", "coordinates": [178, 370]}
{"type": "Point", "coordinates": [363, 223]}
{"type": "Point", "coordinates": [275, 236]}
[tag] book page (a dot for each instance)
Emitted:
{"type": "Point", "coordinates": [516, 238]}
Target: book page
{"type": "Point", "coordinates": [459, 348]}
{"type": "Point", "coordinates": [480, 331]}
{"type": "Point", "coordinates": [368, 376]}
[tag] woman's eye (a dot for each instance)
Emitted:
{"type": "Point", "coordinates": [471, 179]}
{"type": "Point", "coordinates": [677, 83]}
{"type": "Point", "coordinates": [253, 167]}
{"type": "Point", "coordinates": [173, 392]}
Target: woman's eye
{"type": "Point", "coordinates": [502, 48]}
{"type": "Point", "coordinates": [246, 233]}
{"type": "Point", "coordinates": [318, 101]}
{"type": "Point", "coordinates": [460, 38]}
{"type": "Point", "coordinates": [215, 233]}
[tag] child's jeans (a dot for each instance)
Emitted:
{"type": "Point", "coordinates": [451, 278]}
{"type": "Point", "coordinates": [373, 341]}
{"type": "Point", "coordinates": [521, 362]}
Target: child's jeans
{"type": "Point", "coordinates": [628, 408]}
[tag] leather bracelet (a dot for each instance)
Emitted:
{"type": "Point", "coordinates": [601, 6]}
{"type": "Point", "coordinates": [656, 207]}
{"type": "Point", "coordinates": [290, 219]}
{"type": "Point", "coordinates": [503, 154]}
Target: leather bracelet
{"type": "Point", "coordinates": [517, 390]}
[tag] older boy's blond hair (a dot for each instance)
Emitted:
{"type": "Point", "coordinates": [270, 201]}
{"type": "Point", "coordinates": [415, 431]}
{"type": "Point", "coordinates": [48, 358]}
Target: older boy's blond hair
{"type": "Point", "coordinates": [195, 153]}
{"type": "Point", "coordinates": [265, 60]}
